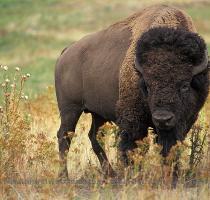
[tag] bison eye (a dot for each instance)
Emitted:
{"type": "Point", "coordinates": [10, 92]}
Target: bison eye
{"type": "Point", "coordinates": [198, 81]}
{"type": "Point", "coordinates": [185, 88]}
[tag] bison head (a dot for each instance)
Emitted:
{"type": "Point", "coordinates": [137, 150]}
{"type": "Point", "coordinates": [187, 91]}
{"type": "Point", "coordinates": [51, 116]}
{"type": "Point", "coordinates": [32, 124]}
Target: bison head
{"type": "Point", "coordinates": [174, 80]}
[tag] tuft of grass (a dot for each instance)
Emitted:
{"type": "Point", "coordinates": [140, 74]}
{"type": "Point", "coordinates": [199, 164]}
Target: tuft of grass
{"type": "Point", "coordinates": [24, 155]}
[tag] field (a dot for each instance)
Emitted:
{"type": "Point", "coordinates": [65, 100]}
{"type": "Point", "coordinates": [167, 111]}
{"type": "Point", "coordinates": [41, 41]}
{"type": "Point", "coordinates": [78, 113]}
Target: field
{"type": "Point", "coordinates": [32, 36]}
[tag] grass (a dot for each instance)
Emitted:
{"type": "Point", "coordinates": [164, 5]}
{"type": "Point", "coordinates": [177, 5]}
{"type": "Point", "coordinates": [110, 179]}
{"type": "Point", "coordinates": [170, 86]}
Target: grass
{"type": "Point", "coordinates": [32, 35]}
{"type": "Point", "coordinates": [29, 159]}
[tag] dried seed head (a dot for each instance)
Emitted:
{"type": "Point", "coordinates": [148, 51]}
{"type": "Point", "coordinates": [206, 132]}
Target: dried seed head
{"type": "Point", "coordinates": [17, 69]}
{"type": "Point", "coordinates": [24, 77]}
{"type": "Point", "coordinates": [7, 94]}
{"type": "Point", "coordinates": [5, 68]}
{"type": "Point", "coordinates": [7, 80]}
{"type": "Point", "coordinates": [28, 75]}
{"type": "Point", "coordinates": [12, 85]}
{"type": "Point", "coordinates": [1, 109]}
{"type": "Point", "coordinates": [26, 97]}
{"type": "Point", "coordinates": [3, 84]}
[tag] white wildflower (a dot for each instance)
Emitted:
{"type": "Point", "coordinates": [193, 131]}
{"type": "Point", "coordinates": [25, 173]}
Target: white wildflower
{"type": "Point", "coordinates": [17, 69]}
{"type": "Point", "coordinates": [24, 77]}
{"type": "Point", "coordinates": [1, 109]}
{"type": "Point", "coordinates": [12, 85]}
{"type": "Point", "coordinates": [5, 68]}
{"type": "Point", "coordinates": [7, 80]}
{"type": "Point", "coordinates": [28, 75]}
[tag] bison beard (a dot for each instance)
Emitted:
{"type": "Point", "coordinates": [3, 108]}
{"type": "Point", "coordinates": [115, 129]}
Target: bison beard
{"type": "Point", "coordinates": [167, 139]}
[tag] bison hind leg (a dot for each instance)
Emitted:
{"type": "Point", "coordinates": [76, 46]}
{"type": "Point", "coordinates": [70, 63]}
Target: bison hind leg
{"type": "Point", "coordinates": [69, 117]}
{"type": "Point", "coordinates": [97, 122]}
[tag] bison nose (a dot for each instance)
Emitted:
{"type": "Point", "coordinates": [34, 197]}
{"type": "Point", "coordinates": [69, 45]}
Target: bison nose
{"type": "Point", "coordinates": [163, 119]}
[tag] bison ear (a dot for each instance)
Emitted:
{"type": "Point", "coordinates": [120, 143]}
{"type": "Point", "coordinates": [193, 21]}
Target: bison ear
{"type": "Point", "coordinates": [137, 66]}
{"type": "Point", "coordinates": [202, 66]}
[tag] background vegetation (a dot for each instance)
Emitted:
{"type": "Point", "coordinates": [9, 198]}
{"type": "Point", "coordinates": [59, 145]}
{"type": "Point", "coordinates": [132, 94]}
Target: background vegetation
{"type": "Point", "coordinates": [32, 35]}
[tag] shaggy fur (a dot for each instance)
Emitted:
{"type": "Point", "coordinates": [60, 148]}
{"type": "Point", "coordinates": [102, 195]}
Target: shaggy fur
{"type": "Point", "coordinates": [131, 107]}
{"type": "Point", "coordinates": [165, 37]}
{"type": "Point", "coordinates": [167, 56]}
{"type": "Point", "coordinates": [187, 45]}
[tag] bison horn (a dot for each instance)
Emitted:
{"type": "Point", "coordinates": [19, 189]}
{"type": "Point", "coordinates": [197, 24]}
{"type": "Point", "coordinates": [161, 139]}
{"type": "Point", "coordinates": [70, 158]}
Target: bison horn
{"type": "Point", "coordinates": [202, 66]}
{"type": "Point", "coordinates": [137, 66]}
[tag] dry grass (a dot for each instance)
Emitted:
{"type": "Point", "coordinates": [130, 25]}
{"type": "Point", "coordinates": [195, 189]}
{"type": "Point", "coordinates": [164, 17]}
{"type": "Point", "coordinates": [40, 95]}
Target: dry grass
{"type": "Point", "coordinates": [29, 155]}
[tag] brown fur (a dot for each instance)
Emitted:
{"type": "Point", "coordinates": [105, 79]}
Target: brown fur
{"type": "Point", "coordinates": [128, 105]}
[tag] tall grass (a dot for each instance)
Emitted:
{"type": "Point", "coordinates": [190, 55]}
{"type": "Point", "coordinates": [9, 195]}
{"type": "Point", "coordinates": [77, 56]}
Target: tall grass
{"type": "Point", "coordinates": [29, 156]}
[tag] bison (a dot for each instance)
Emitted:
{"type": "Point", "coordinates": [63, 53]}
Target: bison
{"type": "Point", "coordinates": [149, 70]}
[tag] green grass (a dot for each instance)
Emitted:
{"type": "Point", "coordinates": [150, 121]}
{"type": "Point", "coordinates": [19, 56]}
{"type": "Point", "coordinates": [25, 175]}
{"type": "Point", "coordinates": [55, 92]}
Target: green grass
{"type": "Point", "coordinates": [41, 71]}
{"type": "Point", "coordinates": [33, 33]}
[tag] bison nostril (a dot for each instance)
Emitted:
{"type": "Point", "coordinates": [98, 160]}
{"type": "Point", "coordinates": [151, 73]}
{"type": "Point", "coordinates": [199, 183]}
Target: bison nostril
{"type": "Point", "coordinates": [163, 118]}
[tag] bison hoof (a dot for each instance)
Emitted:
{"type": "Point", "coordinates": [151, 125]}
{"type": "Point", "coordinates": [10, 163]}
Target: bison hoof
{"type": "Point", "coordinates": [63, 175]}
{"type": "Point", "coordinates": [108, 171]}
{"type": "Point", "coordinates": [112, 174]}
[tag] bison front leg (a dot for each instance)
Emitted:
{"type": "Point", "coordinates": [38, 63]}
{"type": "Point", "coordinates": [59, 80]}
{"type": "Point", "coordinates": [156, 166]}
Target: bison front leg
{"type": "Point", "coordinates": [175, 175]}
{"type": "Point", "coordinates": [174, 170]}
{"type": "Point", "coordinates": [126, 143]}
{"type": "Point", "coordinates": [98, 121]}
{"type": "Point", "coordinates": [167, 144]}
